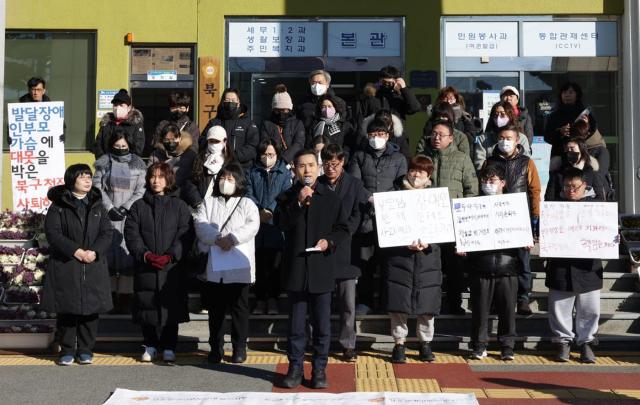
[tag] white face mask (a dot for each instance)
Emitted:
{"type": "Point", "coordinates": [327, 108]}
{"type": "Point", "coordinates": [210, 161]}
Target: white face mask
{"type": "Point", "coordinates": [489, 188]}
{"type": "Point", "coordinates": [121, 112]}
{"type": "Point", "coordinates": [501, 121]}
{"type": "Point", "coordinates": [227, 187]}
{"type": "Point", "coordinates": [377, 143]}
{"type": "Point", "coordinates": [215, 148]}
{"type": "Point", "coordinates": [505, 146]}
{"type": "Point", "coordinates": [268, 162]}
{"type": "Point", "coordinates": [318, 89]}
{"type": "Point", "coordinates": [417, 182]}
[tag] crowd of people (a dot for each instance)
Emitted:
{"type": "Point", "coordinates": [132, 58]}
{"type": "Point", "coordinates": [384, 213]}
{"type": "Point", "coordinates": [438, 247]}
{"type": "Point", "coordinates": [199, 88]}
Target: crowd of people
{"type": "Point", "coordinates": [287, 207]}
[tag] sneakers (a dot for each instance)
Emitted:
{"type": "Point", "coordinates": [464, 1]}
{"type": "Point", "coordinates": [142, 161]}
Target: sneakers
{"type": "Point", "coordinates": [425, 353]}
{"type": "Point", "coordinates": [362, 309]}
{"type": "Point", "coordinates": [65, 360]}
{"type": "Point", "coordinates": [85, 358]}
{"type": "Point", "coordinates": [169, 356]}
{"type": "Point", "coordinates": [260, 308]}
{"type": "Point", "coordinates": [349, 355]}
{"type": "Point", "coordinates": [586, 354]}
{"type": "Point", "coordinates": [564, 352]}
{"type": "Point", "coordinates": [398, 355]}
{"type": "Point", "coordinates": [272, 306]}
{"type": "Point", "coordinates": [479, 353]}
{"type": "Point", "coordinates": [524, 308]}
{"type": "Point", "coordinates": [149, 354]}
{"type": "Point", "coordinates": [506, 354]}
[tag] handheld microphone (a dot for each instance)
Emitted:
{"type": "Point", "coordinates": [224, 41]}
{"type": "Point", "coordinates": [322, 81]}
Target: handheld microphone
{"type": "Point", "coordinates": [308, 182]}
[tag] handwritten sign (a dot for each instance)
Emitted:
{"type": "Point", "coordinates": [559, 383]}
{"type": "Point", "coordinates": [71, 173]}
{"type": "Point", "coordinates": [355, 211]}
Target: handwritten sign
{"type": "Point", "coordinates": [403, 217]}
{"type": "Point", "coordinates": [36, 152]}
{"type": "Point", "coordinates": [486, 38]}
{"type": "Point", "coordinates": [581, 230]}
{"type": "Point", "coordinates": [492, 222]}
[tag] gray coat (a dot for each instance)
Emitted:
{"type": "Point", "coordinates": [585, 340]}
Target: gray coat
{"type": "Point", "coordinates": [118, 257]}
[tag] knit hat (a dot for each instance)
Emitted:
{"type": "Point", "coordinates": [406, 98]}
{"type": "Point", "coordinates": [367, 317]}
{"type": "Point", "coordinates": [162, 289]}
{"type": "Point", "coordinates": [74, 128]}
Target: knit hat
{"type": "Point", "coordinates": [511, 89]}
{"type": "Point", "coordinates": [281, 99]}
{"type": "Point", "coordinates": [121, 97]}
{"type": "Point", "coordinates": [217, 132]}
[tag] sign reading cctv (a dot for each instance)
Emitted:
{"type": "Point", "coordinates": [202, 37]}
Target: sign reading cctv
{"type": "Point", "coordinates": [570, 38]}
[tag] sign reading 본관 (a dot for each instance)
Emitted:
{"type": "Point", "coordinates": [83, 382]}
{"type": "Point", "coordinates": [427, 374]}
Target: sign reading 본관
{"type": "Point", "coordinates": [570, 38]}
{"type": "Point", "coordinates": [486, 38]}
{"type": "Point", "coordinates": [492, 222]}
{"type": "Point", "coordinates": [36, 152]}
{"type": "Point", "coordinates": [275, 39]}
{"type": "Point", "coordinates": [403, 217]}
{"type": "Point", "coordinates": [580, 230]}
{"type": "Point", "coordinates": [366, 38]}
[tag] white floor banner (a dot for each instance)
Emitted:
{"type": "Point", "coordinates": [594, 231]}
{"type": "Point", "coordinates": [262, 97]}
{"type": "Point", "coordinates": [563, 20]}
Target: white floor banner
{"type": "Point", "coordinates": [124, 397]}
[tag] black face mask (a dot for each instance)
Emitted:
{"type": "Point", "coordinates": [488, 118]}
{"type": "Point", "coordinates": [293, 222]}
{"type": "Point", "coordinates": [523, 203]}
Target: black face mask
{"type": "Point", "coordinates": [573, 157]}
{"type": "Point", "coordinates": [229, 109]}
{"type": "Point", "coordinates": [176, 115]}
{"type": "Point", "coordinates": [387, 88]}
{"type": "Point", "coordinates": [119, 152]}
{"type": "Point", "coordinates": [170, 146]}
{"type": "Point", "coordinates": [279, 117]}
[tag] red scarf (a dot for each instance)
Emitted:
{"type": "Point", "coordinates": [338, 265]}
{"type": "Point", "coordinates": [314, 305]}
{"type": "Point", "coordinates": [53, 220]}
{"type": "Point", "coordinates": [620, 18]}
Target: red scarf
{"type": "Point", "coordinates": [516, 110]}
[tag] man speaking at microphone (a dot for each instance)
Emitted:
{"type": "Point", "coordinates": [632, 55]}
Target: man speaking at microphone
{"type": "Point", "coordinates": [310, 215]}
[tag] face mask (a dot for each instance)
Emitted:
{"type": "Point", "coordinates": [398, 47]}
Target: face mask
{"type": "Point", "coordinates": [170, 146]}
{"type": "Point", "coordinates": [176, 115]}
{"type": "Point", "coordinates": [119, 152]}
{"type": "Point", "coordinates": [318, 89]}
{"type": "Point", "coordinates": [279, 117]}
{"type": "Point", "coordinates": [501, 121]}
{"type": "Point", "coordinates": [417, 182]}
{"type": "Point", "coordinates": [227, 187]}
{"type": "Point", "coordinates": [573, 157]}
{"type": "Point", "coordinates": [377, 143]}
{"type": "Point", "coordinates": [229, 109]}
{"type": "Point", "coordinates": [328, 112]}
{"type": "Point", "coordinates": [505, 146]}
{"type": "Point", "coordinates": [215, 148]}
{"type": "Point", "coordinates": [387, 87]}
{"type": "Point", "coordinates": [489, 188]}
{"type": "Point", "coordinates": [121, 112]}
{"type": "Point", "coordinates": [268, 162]}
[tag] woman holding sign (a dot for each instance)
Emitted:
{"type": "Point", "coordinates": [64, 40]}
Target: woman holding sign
{"type": "Point", "coordinates": [413, 277]}
{"type": "Point", "coordinates": [226, 224]}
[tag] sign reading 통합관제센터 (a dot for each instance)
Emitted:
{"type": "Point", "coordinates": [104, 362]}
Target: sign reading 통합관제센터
{"type": "Point", "coordinates": [581, 230]}
{"type": "Point", "coordinates": [492, 222]}
{"type": "Point", "coordinates": [36, 152]}
{"type": "Point", "coordinates": [570, 38]}
{"type": "Point", "coordinates": [405, 217]}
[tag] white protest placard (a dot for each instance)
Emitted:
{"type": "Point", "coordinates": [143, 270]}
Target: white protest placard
{"type": "Point", "coordinates": [403, 217]}
{"type": "Point", "coordinates": [570, 38]}
{"type": "Point", "coordinates": [492, 222]}
{"type": "Point", "coordinates": [581, 230]}
{"type": "Point", "coordinates": [36, 152]}
{"type": "Point", "coordinates": [364, 38]}
{"type": "Point", "coordinates": [481, 38]}
{"type": "Point", "coordinates": [269, 39]}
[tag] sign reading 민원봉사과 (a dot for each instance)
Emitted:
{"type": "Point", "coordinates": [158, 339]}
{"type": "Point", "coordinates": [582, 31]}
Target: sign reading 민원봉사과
{"type": "Point", "coordinates": [404, 217]}
{"type": "Point", "coordinates": [481, 38]}
{"type": "Point", "coordinates": [492, 222]}
{"type": "Point", "coordinates": [36, 152]}
{"type": "Point", "coordinates": [579, 230]}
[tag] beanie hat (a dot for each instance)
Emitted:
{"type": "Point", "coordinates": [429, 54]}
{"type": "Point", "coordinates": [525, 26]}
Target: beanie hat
{"type": "Point", "coordinates": [511, 89]}
{"type": "Point", "coordinates": [281, 99]}
{"type": "Point", "coordinates": [121, 97]}
{"type": "Point", "coordinates": [217, 132]}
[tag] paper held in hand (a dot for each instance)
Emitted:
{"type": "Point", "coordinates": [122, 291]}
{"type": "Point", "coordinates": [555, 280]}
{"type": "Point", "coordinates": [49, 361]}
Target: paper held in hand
{"type": "Point", "coordinates": [403, 217]}
{"type": "Point", "coordinates": [582, 230]}
{"type": "Point", "coordinates": [492, 222]}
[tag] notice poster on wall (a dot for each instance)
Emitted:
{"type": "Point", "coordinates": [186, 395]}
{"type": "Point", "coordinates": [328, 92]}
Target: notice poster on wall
{"type": "Point", "coordinates": [492, 222]}
{"type": "Point", "coordinates": [489, 98]}
{"type": "Point", "coordinates": [404, 217]}
{"type": "Point", "coordinates": [36, 152]}
{"type": "Point", "coordinates": [581, 230]}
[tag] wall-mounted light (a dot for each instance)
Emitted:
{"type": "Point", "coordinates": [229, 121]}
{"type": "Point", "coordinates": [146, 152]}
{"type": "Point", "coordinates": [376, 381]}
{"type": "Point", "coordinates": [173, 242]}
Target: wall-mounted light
{"type": "Point", "coordinates": [128, 39]}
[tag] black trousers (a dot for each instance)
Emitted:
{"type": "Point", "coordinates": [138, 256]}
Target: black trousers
{"type": "Point", "coordinates": [76, 333]}
{"type": "Point", "coordinates": [525, 277]}
{"type": "Point", "coordinates": [233, 297]}
{"type": "Point", "coordinates": [320, 305]}
{"type": "Point", "coordinates": [502, 291]}
{"type": "Point", "coordinates": [267, 274]}
{"type": "Point", "coordinates": [368, 284]}
{"type": "Point", "coordinates": [453, 268]}
{"type": "Point", "coordinates": [160, 337]}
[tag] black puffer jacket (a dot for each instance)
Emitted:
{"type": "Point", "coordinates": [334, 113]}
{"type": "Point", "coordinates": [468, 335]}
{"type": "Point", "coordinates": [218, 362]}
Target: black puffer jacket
{"type": "Point", "coordinates": [400, 103]}
{"type": "Point", "coordinates": [306, 111]}
{"type": "Point", "coordinates": [133, 126]}
{"type": "Point", "coordinates": [378, 171]}
{"type": "Point", "coordinates": [70, 286]}
{"type": "Point", "coordinates": [293, 134]}
{"type": "Point", "coordinates": [495, 263]}
{"type": "Point", "coordinates": [243, 136]}
{"type": "Point", "coordinates": [160, 225]}
{"type": "Point", "coordinates": [559, 117]}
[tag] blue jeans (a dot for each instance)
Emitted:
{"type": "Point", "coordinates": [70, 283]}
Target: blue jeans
{"type": "Point", "coordinates": [320, 317]}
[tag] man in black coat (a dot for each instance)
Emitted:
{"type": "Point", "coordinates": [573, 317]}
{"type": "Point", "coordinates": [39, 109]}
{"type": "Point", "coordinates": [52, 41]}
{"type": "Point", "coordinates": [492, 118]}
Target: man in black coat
{"type": "Point", "coordinates": [311, 216]}
{"type": "Point", "coordinates": [354, 203]}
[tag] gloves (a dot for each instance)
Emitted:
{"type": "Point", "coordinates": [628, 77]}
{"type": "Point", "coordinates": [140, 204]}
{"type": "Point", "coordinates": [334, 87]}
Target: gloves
{"type": "Point", "coordinates": [535, 227]}
{"type": "Point", "coordinates": [157, 261]}
{"type": "Point", "coordinates": [115, 214]}
{"type": "Point", "coordinates": [123, 211]}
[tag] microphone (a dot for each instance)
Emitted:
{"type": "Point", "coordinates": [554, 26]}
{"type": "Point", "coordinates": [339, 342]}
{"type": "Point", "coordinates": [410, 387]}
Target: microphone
{"type": "Point", "coordinates": [308, 182]}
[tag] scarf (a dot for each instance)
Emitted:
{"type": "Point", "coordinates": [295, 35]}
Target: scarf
{"type": "Point", "coordinates": [406, 184]}
{"type": "Point", "coordinates": [214, 163]}
{"type": "Point", "coordinates": [120, 176]}
{"type": "Point", "coordinates": [332, 123]}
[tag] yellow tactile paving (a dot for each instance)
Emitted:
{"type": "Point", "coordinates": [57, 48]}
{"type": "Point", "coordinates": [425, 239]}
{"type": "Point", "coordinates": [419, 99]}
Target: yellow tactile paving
{"type": "Point", "coordinates": [376, 384]}
{"type": "Point", "coordinates": [515, 393]}
{"type": "Point", "coordinates": [549, 394]}
{"type": "Point", "coordinates": [374, 370]}
{"type": "Point", "coordinates": [478, 392]}
{"type": "Point", "coordinates": [628, 393]}
{"type": "Point", "coordinates": [417, 385]}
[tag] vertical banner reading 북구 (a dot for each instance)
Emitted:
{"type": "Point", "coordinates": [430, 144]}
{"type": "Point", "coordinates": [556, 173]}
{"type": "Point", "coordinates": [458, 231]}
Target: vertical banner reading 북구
{"type": "Point", "coordinates": [36, 152]}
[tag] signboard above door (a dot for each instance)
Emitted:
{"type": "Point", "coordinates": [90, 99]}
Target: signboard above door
{"type": "Point", "coordinates": [275, 39]}
{"type": "Point", "coordinates": [363, 39]}
{"type": "Point", "coordinates": [570, 38]}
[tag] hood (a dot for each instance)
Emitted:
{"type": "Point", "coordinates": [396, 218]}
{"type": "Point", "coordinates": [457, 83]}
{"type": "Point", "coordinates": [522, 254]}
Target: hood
{"type": "Point", "coordinates": [280, 166]}
{"type": "Point", "coordinates": [390, 150]}
{"type": "Point", "coordinates": [398, 126]}
{"type": "Point", "coordinates": [61, 196]}
{"type": "Point", "coordinates": [26, 98]}
{"type": "Point", "coordinates": [496, 152]}
{"type": "Point", "coordinates": [104, 162]}
{"type": "Point", "coordinates": [152, 199]}
{"type": "Point", "coordinates": [557, 162]}
{"type": "Point", "coordinates": [186, 140]}
{"type": "Point", "coordinates": [595, 140]}
{"type": "Point", "coordinates": [134, 118]}
{"type": "Point", "coordinates": [401, 183]}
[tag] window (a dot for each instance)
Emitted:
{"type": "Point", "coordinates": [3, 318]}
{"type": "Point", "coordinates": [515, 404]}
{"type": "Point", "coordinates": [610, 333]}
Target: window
{"type": "Point", "coordinates": [67, 62]}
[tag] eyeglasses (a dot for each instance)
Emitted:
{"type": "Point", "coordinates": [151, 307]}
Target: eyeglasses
{"type": "Point", "coordinates": [439, 135]}
{"type": "Point", "coordinates": [331, 164]}
{"type": "Point", "coordinates": [572, 189]}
